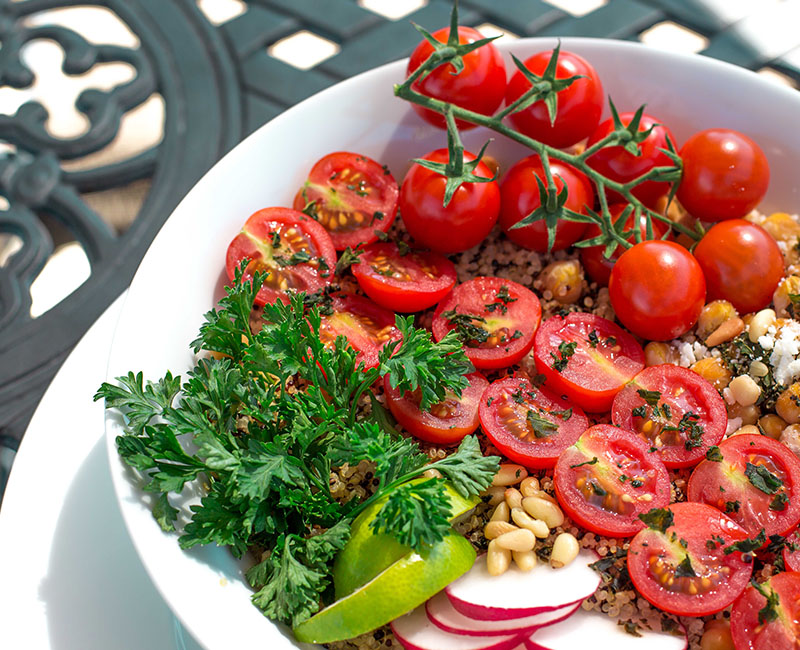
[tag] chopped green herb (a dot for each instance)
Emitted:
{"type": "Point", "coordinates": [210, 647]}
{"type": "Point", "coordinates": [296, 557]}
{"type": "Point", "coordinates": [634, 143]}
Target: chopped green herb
{"type": "Point", "coordinates": [714, 454]}
{"type": "Point", "coordinates": [732, 506]}
{"type": "Point", "coordinates": [769, 612]}
{"type": "Point", "coordinates": [542, 427]}
{"type": "Point", "coordinates": [779, 502]}
{"type": "Point", "coordinates": [762, 478]}
{"type": "Point", "coordinates": [565, 350]}
{"type": "Point", "coordinates": [346, 260]}
{"type": "Point", "coordinates": [685, 568]}
{"type": "Point", "coordinates": [467, 327]}
{"type": "Point", "coordinates": [748, 545]}
{"type": "Point", "coordinates": [658, 519]}
{"type": "Point", "coordinates": [586, 462]}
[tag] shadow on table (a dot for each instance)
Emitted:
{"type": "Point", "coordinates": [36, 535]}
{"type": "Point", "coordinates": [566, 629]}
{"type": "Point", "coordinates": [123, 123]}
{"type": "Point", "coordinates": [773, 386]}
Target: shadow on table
{"type": "Point", "coordinates": [97, 593]}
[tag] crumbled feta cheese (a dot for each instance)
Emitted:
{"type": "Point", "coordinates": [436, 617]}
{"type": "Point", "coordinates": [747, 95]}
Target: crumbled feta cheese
{"type": "Point", "coordinates": [733, 425]}
{"type": "Point", "coordinates": [767, 341]}
{"type": "Point", "coordinates": [784, 357]}
{"type": "Point", "coordinates": [686, 351]}
{"type": "Point", "coordinates": [727, 395]}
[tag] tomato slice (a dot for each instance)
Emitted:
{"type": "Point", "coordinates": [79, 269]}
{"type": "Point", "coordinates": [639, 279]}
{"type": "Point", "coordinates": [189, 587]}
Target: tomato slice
{"type": "Point", "coordinates": [448, 421]}
{"type": "Point", "coordinates": [354, 196]}
{"type": "Point", "coordinates": [404, 282]}
{"type": "Point", "coordinates": [757, 483]}
{"type": "Point", "coordinates": [527, 424]}
{"type": "Point", "coordinates": [791, 552]}
{"type": "Point", "coordinates": [608, 478]}
{"type": "Point", "coordinates": [586, 358]}
{"type": "Point", "coordinates": [366, 326]}
{"type": "Point", "coordinates": [677, 412]}
{"type": "Point", "coordinates": [768, 617]}
{"type": "Point", "coordinates": [494, 317]}
{"type": "Point", "coordinates": [682, 567]}
{"type": "Point", "coordinates": [294, 250]}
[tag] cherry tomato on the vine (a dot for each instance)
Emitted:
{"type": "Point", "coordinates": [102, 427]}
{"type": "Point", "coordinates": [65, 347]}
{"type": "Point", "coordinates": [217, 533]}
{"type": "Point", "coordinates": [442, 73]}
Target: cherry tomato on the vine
{"type": "Point", "coordinates": [464, 222]}
{"type": "Point", "coordinates": [657, 290]}
{"type": "Point", "coordinates": [520, 196]}
{"type": "Point", "coordinates": [353, 195]}
{"type": "Point", "coordinates": [621, 166]}
{"type": "Point", "coordinates": [579, 105]}
{"type": "Point", "coordinates": [725, 175]}
{"type": "Point", "coordinates": [593, 258]}
{"type": "Point", "coordinates": [741, 263]}
{"type": "Point", "coordinates": [479, 87]}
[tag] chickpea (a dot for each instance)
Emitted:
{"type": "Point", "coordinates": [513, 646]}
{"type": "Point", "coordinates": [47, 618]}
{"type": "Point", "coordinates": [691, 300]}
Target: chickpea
{"type": "Point", "coordinates": [748, 414]}
{"type": "Point", "coordinates": [713, 315]}
{"type": "Point", "coordinates": [782, 227]}
{"type": "Point", "coordinates": [717, 636]}
{"type": "Point", "coordinates": [745, 390]}
{"type": "Point", "coordinates": [788, 404]}
{"type": "Point", "coordinates": [564, 279]}
{"type": "Point", "coordinates": [789, 285]}
{"type": "Point", "coordinates": [772, 425]}
{"type": "Point", "coordinates": [657, 353]}
{"type": "Point", "coordinates": [713, 370]}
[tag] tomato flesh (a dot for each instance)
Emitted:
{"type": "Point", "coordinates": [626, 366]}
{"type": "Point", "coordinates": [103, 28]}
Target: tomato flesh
{"type": "Point", "coordinates": [684, 569]}
{"type": "Point", "coordinates": [446, 422]}
{"type": "Point", "coordinates": [294, 250]}
{"type": "Point", "coordinates": [586, 358]}
{"type": "Point", "coordinates": [608, 478]}
{"type": "Point", "coordinates": [791, 552]}
{"type": "Point", "coordinates": [528, 424]}
{"type": "Point", "coordinates": [741, 263]}
{"type": "Point", "coordinates": [407, 282]}
{"type": "Point", "coordinates": [757, 626]}
{"type": "Point", "coordinates": [757, 484]}
{"type": "Point", "coordinates": [353, 197]}
{"type": "Point", "coordinates": [495, 318]}
{"type": "Point", "coordinates": [675, 411]}
{"type": "Point", "coordinates": [366, 326]}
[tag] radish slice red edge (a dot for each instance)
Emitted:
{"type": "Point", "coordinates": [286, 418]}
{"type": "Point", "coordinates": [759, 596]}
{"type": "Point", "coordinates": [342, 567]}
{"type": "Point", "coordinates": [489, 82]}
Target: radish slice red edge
{"type": "Point", "coordinates": [598, 631]}
{"type": "Point", "coordinates": [518, 594]}
{"type": "Point", "coordinates": [443, 615]}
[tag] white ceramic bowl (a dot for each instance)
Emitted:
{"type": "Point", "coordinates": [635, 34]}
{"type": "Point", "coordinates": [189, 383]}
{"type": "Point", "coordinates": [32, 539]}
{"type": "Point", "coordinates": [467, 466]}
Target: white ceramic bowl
{"type": "Point", "coordinates": [182, 274]}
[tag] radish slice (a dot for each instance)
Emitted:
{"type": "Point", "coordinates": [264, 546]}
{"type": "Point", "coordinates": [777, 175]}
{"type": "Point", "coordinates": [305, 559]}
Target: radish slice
{"type": "Point", "coordinates": [416, 632]}
{"type": "Point", "coordinates": [444, 616]}
{"type": "Point", "coordinates": [600, 632]}
{"type": "Point", "coordinates": [517, 593]}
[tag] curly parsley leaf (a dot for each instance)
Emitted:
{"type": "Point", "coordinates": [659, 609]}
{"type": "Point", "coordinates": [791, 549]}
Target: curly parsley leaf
{"type": "Point", "coordinates": [416, 514]}
{"type": "Point", "coordinates": [468, 469]}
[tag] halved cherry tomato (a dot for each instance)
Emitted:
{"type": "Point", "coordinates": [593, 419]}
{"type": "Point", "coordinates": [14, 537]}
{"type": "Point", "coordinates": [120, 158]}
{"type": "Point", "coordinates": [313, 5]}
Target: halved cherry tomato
{"type": "Point", "coordinates": [683, 567]}
{"type": "Point", "coordinates": [479, 87]}
{"type": "Point", "coordinates": [741, 263]}
{"type": "Point", "coordinates": [725, 175]}
{"type": "Point", "coordinates": [593, 258]}
{"type": "Point", "coordinates": [294, 250]}
{"type": "Point", "coordinates": [354, 196]}
{"type": "Point", "coordinates": [464, 222]}
{"type": "Point", "coordinates": [527, 424]}
{"type": "Point", "coordinates": [519, 193]}
{"type": "Point", "coordinates": [621, 166]}
{"type": "Point", "coordinates": [675, 411]}
{"type": "Point", "coordinates": [366, 326]}
{"type": "Point", "coordinates": [446, 422]}
{"type": "Point", "coordinates": [608, 478]}
{"type": "Point", "coordinates": [761, 624]}
{"type": "Point", "coordinates": [495, 319]}
{"type": "Point", "coordinates": [791, 552]}
{"type": "Point", "coordinates": [579, 105]}
{"type": "Point", "coordinates": [403, 282]}
{"type": "Point", "coordinates": [586, 358]}
{"type": "Point", "coordinates": [757, 484]}
{"type": "Point", "coordinates": [657, 290]}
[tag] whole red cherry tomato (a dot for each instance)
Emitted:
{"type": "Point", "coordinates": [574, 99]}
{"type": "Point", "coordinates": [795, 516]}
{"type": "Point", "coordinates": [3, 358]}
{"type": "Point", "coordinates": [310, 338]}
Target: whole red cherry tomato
{"type": "Point", "coordinates": [741, 263]}
{"type": "Point", "coordinates": [593, 258]}
{"type": "Point", "coordinates": [519, 193]}
{"type": "Point", "coordinates": [479, 87]}
{"type": "Point", "coordinates": [725, 175]}
{"type": "Point", "coordinates": [621, 166]}
{"type": "Point", "coordinates": [657, 290]}
{"type": "Point", "coordinates": [579, 105]}
{"type": "Point", "coordinates": [465, 221]}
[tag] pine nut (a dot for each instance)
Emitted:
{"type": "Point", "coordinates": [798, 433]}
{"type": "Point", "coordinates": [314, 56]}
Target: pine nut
{"type": "Point", "coordinates": [565, 550]}
{"type": "Point", "coordinates": [751, 429]}
{"type": "Point", "coordinates": [496, 495]}
{"type": "Point", "coordinates": [500, 512]}
{"type": "Point", "coordinates": [725, 332]}
{"type": "Point", "coordinates": [513, 497]}
{"type": "Point", "coordinates": [432, 473]}
{"type": "Point", "coordinates": [517, 540]}
{"type": "Point", "coordinates": [760, 323]}
{"type": "Point", "coordinates": [529, 486]}
{"type": "Point", "coordinates": [509, 474]}
{"type": "Point", "coordinates": [545, 510]}
{"type": "Point", "coordinates": [498, 559]}
{"type": "Point", "coordinates": [494, 529]}
{"type": "Point", "coordinates": [745, 390]}
{"type": "Point", "coordinates": [525, 560]}
{"type": "Point", "coordinates": [523, 520]}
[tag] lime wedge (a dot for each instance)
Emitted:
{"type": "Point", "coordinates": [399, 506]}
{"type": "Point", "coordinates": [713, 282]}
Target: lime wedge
{"type": "Point", "coordinates": [404, 585]}
{"type": "Point", "coordinates": [367, 554]}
